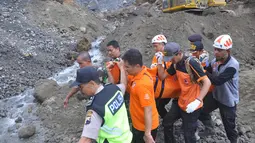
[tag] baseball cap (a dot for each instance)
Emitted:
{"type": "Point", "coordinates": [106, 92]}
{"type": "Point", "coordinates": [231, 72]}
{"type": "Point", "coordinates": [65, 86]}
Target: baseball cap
{"type": "Point", "coordinates": [197, 46]}
{"type": "Point", "coordinates": [85, 75]}
{"type": "Point", "coordinates": [195, 37]}
{"type": "Point", "coordinates": [170, 50]}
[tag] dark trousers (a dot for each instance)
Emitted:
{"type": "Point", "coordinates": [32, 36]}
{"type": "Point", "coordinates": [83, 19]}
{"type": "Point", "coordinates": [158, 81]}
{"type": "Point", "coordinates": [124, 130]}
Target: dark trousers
{"type": "Point", "coordinates": [228, 116]}
{"type": "Point", "coordinates": [127, 102]}
{"type": "Point", "coordinates": [161, 103]}
{"type": "Point", "coordinates": [189, 123]}
{"type": "Point", "coordinates": [138, 135]}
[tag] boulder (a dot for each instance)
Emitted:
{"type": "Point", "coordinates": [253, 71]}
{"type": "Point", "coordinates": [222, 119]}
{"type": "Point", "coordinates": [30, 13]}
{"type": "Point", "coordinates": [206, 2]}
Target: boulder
{"type": "Point", "coordinates": [83, 45]}
{"type": "Point", "coordinates": [45, 89]}
{"type": "Point", "coordinates": [26, 131]}
{"type": "Point", "coordinates": [18, 120]}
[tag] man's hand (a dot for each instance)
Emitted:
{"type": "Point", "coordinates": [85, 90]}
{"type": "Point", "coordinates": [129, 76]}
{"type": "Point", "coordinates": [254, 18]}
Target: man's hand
{"type": "Point", "coordinates": [66, 102]}
{"type": "Point", "coordinates": [159, 56]}
{"type": "Point", "coordinates": [120, 64]}
{"type": "Point", "coordinates": [109, 66]}
{"type": "Point", "coordinates": [148, 138]}
{"type": "Point", "coordinates": [85, 140]}
{"type": "Point", "coordinates": [192, 106]}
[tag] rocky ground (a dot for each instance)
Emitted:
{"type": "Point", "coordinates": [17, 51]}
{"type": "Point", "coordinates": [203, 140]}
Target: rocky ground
{"type": "Point", "coordinates": [39, 38]}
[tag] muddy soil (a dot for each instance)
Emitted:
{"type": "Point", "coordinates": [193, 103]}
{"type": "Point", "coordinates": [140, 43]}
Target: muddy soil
{"type": "Point", "coordinates": [36, 37]}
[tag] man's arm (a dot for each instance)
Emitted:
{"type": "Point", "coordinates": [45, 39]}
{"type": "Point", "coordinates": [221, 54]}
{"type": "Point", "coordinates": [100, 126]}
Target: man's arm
{"type": "Point", "coordinates": [70, 94]}
{"type": "Point", "coordinates": [225, 76]}
{"type": "Point", "coordinates": [146, 98]}
{"type": "Point", "coordinates": [123, 77]}
{"type": "Point", "coordinates": [204, 89]}
{"type": "Point", "coordinates": [109, 65]}
{"type": "Point", "coordinates": [91, 127]}
{"type": "Point", "coordinates": [148, 119]}
{"type": "Point", "coordinates": [161, 72]}
{"type": "Point", "coordinates": [200, 77]}
{"type": "Point", "coordinates": [85, 140]}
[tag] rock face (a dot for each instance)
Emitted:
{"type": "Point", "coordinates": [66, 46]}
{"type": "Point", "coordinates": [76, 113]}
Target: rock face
{"type": "Point", "coordinates": [45, 89]}
{"type": "Point", "coordinates": [26, 131]}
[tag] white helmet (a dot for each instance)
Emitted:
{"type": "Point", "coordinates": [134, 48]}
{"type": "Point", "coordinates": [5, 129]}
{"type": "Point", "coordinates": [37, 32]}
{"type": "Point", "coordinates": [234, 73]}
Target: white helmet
{"type": "Point", "coordinates": [223, 42]}
{"type": "Point", "coordinates": [159, 39]}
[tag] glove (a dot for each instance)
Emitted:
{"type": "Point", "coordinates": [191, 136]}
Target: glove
{"type": "Point", "coordinates": [153, 65]}
{"type": "Point", "coordinates": [192, 106]}
{"type": "Point", "coordinates": [159, 56]}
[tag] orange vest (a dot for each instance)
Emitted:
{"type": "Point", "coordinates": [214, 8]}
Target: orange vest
{"type": "Point", "coordinates": [190, 90]}
{"type": "Point", "coordinates": [168, 88]}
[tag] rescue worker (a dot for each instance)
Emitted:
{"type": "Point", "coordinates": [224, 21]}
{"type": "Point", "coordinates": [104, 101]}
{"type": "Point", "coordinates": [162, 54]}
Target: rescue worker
{"type": "Point", "coordinates": [165, 89]}
{"type": "Point", "coordinates": [197, 49]}
{"type": "Point", "coordinates": [224, 75]}
{"type": "Point", "coordinates": [143, 109]}
{"type": "Point", "coordinates": [106, 117]}
{"type": "Point", "coordinates": [113, 50]}
{"type": "Point", "coordinates": [113, 70]}
{"type": "Point", "coordinates": [84, 59]}
{"type": "Point", "coordinates": [193, 90]}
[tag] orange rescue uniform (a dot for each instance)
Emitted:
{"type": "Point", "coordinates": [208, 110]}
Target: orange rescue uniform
{"type": "Point", "coordinates": [142, 95]}
{"type": "Point", "coordinates": [171, 87]}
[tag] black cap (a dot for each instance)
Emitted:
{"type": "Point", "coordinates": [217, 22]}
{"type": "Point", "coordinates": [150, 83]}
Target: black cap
{"type": "Point", "coordinates": [197, 46]}
{"type": "Point", "coordinates": [85, 75]}
{"type": "Point", "coordinates": [170, 50]}
{"type": "Point", "coordinates": [195, 37]}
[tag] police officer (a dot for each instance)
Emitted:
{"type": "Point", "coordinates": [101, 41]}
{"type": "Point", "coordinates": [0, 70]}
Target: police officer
{"type": "Point", "coordinates": [106, 118]}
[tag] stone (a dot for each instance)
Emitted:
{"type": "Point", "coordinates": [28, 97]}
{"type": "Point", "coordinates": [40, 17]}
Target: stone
{"type": "Point", "coordinates": [26, 131]}
{"type": "Point", "coordinates": [218, 122]}
{"type": "Point", "coordinates": [83, 30]}
{"type": "Point", "coordinates": [93, 5]}
{"type": "Point", "coordinates": [3, 113]}
{"type": "Point", "coordinates": [95, 61]}
{"type": "Point", "coordinates": [45, 89]}
{"type": "Point", "coordinates": [83, 45]}
{"type": "Point", "coordinates": [243, 129]}
{"type": "Point", "coordinates": [20, 105]}
{"type": "Point", "coordinates": [6, 14]}
{"type": "Point", "coordinates": [18, 120]}
{"type": "Point", "coordinates": [71, 55]}
{"type": "Point", "coordinates": [73, 28]}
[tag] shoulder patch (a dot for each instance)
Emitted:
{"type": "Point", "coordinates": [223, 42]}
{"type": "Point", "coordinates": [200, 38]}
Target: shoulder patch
{"type": "Point", "coordinates": [88, 117]}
